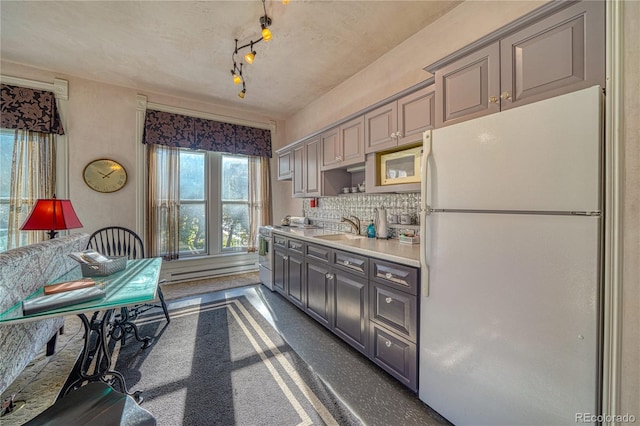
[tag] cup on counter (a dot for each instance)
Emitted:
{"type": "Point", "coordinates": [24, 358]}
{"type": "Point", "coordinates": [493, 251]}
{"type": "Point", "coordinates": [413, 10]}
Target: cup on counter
{"type": "Point", "coordinates": [393, 218]}
{"type": "Point", "coordinates": [345, 190]}
{"type": "Point", "coordinates": [354, 189]}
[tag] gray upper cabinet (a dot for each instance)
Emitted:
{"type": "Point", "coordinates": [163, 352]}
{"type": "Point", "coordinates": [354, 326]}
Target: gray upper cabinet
{"type": "Point", "coordinates": [285, 165]}
{"type": "Point", "coordinates": [343, 145]}
{"type": "Point", "coordinates": [463, 87]}
{"type": "Point", "coordinates": [560, 53]}
{"type": "Point", "coordinates": [400, 122]}
{"type": "Point", "coordinates": [557, 55]}
{"type": "Point", "coordinates": [306, 170]}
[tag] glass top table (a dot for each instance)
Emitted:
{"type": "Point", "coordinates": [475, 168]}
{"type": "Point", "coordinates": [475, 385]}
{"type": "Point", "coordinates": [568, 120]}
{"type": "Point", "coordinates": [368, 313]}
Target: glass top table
{"type": "Point", "coordinates": [137, 283]}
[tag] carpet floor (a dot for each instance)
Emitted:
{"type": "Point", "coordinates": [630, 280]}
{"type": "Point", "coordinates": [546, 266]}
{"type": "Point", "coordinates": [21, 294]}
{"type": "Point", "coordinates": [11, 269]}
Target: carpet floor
{"type": "Point", "coordinates": [222, 363]}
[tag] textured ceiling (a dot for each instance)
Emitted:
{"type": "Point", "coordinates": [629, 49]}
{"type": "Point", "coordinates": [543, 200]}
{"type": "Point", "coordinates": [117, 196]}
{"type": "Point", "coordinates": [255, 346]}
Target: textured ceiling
{"type": "Point", "coordinates": [184, 48]}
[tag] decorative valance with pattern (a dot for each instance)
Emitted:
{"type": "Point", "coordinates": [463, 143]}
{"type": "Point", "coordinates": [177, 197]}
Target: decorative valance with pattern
{"type": "Point", "coordinates": [29, 109]}
{"type": "Point", "coordinates": [164, 128]}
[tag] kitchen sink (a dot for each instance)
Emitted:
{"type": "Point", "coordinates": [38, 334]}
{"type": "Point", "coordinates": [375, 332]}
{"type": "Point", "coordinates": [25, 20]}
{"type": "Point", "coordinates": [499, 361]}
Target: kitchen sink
{"type": "Point", "coordinates": [340, 237]}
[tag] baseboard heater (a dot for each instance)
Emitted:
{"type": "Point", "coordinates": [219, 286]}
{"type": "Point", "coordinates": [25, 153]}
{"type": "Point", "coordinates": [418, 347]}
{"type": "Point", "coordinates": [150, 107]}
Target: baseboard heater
{"type": "Point", "coordinates": [195, 274]}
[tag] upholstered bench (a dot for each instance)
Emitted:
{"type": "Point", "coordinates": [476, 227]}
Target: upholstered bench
{"type": "Point", "coordinates": [22, 271]}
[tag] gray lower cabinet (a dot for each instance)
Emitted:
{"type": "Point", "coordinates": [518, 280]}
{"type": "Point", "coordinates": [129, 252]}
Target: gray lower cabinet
{"type": "Point", "coordinates": [319, 292]}
{"type": "Point", "coordinates": [371, 304]}
{"type": "Point", "coordinates": [350, 307]}
{"type": "Point", "coordinates": [279, 270]}
{"type": "Point", "coordinates": [396, 355]}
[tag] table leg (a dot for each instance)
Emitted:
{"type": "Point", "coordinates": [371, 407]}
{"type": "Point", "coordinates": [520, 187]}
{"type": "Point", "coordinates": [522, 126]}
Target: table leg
{"type": "Point", "coordinates": [99, 355]}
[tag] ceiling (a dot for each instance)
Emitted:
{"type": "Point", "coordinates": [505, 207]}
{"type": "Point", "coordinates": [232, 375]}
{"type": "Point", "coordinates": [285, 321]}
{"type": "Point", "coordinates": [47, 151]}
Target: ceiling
{"type": "Point", "coordinates": [184, 48]}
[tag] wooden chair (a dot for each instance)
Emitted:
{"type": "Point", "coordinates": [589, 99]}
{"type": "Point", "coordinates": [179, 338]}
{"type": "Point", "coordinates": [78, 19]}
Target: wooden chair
{"type": "Point", "coordinates": [117, 241]}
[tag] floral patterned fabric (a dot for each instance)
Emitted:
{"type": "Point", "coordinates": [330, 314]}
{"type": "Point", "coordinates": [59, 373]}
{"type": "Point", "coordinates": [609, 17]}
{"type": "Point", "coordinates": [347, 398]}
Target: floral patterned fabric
{"type": "Point", "coordinates": [29, 109]}
{"type": "Point", "coordinates": [22, 271]}
{"type": "Point", "coordinates": [163, 128]}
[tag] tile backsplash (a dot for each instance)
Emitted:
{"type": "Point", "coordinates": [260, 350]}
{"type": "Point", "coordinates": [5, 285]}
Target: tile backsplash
{"type": "Point", "coordinates": [329, 210]}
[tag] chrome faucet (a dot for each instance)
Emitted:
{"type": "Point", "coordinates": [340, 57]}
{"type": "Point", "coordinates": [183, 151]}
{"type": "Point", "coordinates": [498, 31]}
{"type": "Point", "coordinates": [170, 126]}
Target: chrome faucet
{"type": "Point", "coordinates": [355, 223]}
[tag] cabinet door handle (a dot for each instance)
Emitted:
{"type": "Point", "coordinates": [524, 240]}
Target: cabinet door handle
{"type": "Point", "coordinates": [338, 158]}
{"type": "Point", "coordinates": [398, 135]}
{"type": "Point", "coordinates": [493, 100]}
{"type": "Point", "coordinates": [347, 263]}
{"type": "Point", "coordinates": [388, 300]}
{"type": "Point", "coordinates": [505, 96]}
{"type": "Point", "coordinates": [388, 343]}
{"type": "Point", "coordinates": [388, 275]}
{"type": "Point", "coordinates": [285, 257]}
{"type": "Point", "coordinates": [330, 276]}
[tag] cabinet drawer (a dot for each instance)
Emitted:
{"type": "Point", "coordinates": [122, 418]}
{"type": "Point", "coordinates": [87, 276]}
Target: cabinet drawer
{"type": "Point", "coordinates": [279, 241]}
{"type": "Point", "coordinates": [397, 276]}
{"type": "Point", "coordinates": [351, 262]}
{"type": "Point", "coordinates": [394, 309]}
{"type": "Point", "coordinates": [395, 355]}
{"type": "Point", "coordinates": [295, 246]}
{"type": "Point", "coordinates": [320, 253]}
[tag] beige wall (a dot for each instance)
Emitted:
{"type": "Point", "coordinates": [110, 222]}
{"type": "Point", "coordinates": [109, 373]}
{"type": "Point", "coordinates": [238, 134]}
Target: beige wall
{"type": "Point", "coordinates": [630, 354]}
{"type": "Point", "coordinates": [100, 122]}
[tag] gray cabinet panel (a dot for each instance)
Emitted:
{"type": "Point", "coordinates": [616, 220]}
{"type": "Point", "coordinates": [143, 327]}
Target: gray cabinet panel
{"type": "Point", "coordinates": [312, 174]}
{"type": "Point", "coordinates": [396, 355]}
{"type": "Point", "coordinates": [402, 277]}
{"type": "Point", "coordinates": [295, 279]}
{"type": "Point", "coordinates": [350, 307]}
{"type": "Point", "coordinates": [416, 113]}
{"type": "Point", "coordinates": [560, 54]}
{"type": "Point", "coordinates": [299, 171]}
{"type": "Point", "coordinates": [285, 165]}
{"type": "Point", "coordinates": [279, 270]}
{"type": "Point", "coordinates": [351, 140]}
{"type": "Point", "coordinates": [380, 125]}
{"type": "Point", "coordinates": [464, 87]}
{"type": "Point", "coordinates": [394, 309]}
{"type": "Point", "coordinates": [321, 253]}
{"type": "Point", "coordinates": [319, 290]}
{"type": "Point", "coordinates": [352, 262]}
{"type": "Point", "coordinates": [330, 148]}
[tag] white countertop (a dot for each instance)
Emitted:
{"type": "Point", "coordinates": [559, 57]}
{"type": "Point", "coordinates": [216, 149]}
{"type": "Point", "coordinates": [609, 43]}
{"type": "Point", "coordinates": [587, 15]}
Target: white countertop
{"type": "Point", "coordinates": [391, 250]}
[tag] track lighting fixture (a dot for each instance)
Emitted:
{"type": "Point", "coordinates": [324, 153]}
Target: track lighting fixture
{"type": "Point", "coordinates": [266, 35]}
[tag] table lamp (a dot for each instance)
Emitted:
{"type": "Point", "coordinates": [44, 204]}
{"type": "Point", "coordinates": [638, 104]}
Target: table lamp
{"type": "Point", "coordinates": [51, 215]}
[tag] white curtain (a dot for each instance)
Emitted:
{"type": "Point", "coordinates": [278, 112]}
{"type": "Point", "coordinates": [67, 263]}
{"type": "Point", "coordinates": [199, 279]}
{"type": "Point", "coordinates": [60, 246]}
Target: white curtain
{"type": "Point", "coordinates": [259, 197]}
{"type": "Point", "coordinates": [32, 177]}
{"type": "Point", "coordinates": [163, 203]}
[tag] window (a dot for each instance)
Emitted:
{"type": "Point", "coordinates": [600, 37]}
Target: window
{"type": "Point", "coordinates": [235, 202]}
{"type": "Point", "coordinates": [214, 203]}
{"type": "Point", "coordinates": [6, 155]}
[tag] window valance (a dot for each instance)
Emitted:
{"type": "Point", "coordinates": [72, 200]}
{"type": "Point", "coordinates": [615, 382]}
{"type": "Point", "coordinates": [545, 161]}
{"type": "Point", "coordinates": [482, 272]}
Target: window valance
{"type": "Point", "coordinates": [165, 128]}
{"type": "Point", "coordinates": [29, 109]}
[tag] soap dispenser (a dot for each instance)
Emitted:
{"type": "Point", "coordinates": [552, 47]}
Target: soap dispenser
{"type": "Point", "coordinates": [371, 230]}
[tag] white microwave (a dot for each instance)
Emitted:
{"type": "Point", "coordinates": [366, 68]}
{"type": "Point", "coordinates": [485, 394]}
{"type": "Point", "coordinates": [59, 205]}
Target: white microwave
{"type": "Point", "coordinates": [400, 166]}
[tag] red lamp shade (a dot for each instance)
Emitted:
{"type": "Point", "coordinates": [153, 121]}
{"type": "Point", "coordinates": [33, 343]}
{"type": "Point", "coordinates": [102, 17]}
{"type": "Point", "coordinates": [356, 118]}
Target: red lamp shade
{"type": "Point", "coordinates": [51, 214]}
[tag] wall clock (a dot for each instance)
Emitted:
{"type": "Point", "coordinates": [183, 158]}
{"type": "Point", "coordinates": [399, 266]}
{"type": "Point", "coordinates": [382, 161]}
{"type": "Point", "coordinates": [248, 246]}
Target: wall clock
{"type": "Point", "coordinates": [105, 175]}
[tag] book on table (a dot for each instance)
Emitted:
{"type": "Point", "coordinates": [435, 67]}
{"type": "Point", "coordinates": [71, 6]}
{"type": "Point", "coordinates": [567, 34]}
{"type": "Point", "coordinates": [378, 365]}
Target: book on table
{"type": "Point", "coordinates": [68, 285]}
{"type": "Point", "coordinates": [59, 300]}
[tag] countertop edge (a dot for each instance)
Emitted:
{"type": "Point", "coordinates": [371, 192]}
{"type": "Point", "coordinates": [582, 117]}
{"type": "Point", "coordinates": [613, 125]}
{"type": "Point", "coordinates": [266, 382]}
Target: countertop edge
{"type": "Point", "coordinates": [383, 255]}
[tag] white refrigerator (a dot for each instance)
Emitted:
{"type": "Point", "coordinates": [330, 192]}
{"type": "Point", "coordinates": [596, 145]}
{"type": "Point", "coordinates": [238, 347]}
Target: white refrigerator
{"type": "Point", "coordinates": [511, 247]}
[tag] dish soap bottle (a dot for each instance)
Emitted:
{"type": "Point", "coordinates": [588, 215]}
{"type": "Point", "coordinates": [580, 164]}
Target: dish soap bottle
{"type": "Point", "coordinates": [371, 230]}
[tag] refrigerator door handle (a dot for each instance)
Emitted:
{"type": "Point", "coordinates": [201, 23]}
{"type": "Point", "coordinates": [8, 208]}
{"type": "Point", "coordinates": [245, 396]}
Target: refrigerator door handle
{"type": "Point", "coordinates": [424, 268]}
{"type": "Point", "coordinates": [424, 164]}
{"type": "Point", "coordinates": [424, 213]}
